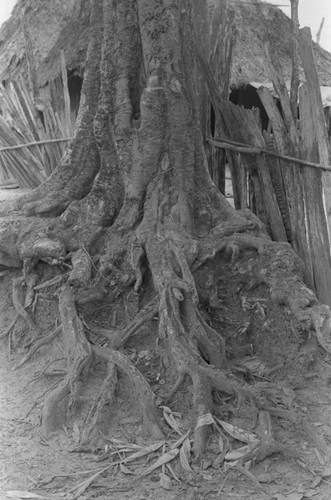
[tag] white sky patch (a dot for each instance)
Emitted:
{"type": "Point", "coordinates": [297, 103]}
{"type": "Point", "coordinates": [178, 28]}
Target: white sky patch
{"type": "Point", "coordinates": [6, 7]}
{"type": "Point", "coordinates": [311, 13]}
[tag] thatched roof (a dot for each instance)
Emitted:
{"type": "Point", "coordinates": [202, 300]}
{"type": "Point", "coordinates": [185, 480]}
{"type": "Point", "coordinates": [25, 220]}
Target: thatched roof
{"type": "Point", "coordinates": [53, 25]}
{"type": "Point", "coordinates": [59, 24]}
{"type": "Point", "coordinates": [256, 20]}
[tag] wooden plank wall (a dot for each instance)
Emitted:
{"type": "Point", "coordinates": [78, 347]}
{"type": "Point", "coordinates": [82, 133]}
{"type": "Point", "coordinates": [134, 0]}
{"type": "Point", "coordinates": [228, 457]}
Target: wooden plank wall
{"type": "Point", "coordinates": [304, 190]}
{"type": "Point", "coordinates": [307, 190]}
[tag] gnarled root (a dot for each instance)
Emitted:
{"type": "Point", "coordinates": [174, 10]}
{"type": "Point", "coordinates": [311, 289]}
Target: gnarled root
{"type": "Point", "coordinates": [145, 395]}
{"type": "Point", "coordinates": [106, 395]}
{"type": "Point", "coordinates": [79, 357]}
{"type": "Point", "coordinates": [18, 300]}
{"type": "Point", "coordinates": [118, 338]}
{"type": "Point", "coordinates": [187, 336]}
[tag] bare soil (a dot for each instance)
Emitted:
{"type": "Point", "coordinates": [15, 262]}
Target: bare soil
{"type": "Point", "coordinates": [259, 335]}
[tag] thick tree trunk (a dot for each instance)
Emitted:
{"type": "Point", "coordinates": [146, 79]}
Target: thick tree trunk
{"type": "Point", "coordinates": [140, 214]}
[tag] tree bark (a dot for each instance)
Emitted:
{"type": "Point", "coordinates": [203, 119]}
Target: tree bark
{"type": "Point", "coordinates": [134, 213]}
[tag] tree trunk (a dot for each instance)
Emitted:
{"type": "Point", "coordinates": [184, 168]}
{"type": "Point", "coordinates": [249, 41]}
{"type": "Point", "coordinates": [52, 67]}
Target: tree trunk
{"type": "Point", "coordinates": [134, 213]}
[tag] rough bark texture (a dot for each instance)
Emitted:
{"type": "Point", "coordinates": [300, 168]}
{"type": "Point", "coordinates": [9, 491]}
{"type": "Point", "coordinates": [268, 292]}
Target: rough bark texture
{"type": "Point", "coordinates": [133, 213]}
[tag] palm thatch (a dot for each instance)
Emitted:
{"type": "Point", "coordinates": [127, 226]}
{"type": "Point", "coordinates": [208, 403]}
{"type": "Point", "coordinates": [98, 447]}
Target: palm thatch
{"type": "Point", "coordinates": [256, 21]}
{"type": "Point", "coordinates": [60, 25]}
{"type": "Point", "coordinates": [22, 128]}
{"type": "Point", "coordinates": [46, 21]}
{"type": "Point", "coordinates": [53, 26]}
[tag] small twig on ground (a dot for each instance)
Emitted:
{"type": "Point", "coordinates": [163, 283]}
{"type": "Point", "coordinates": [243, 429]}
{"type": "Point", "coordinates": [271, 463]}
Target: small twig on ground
{"type": "Point", "coordinates": [53, 281]}
{"type": "Point", "coordinates": [44, 371]}
{"type": "Point", "coordinates": [41, 396]}
{"type": "Point", "coordinates": [37, 346]}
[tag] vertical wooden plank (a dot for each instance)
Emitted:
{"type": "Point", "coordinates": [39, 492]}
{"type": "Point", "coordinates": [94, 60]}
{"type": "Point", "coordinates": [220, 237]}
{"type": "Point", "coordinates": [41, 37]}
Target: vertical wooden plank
{"type": "Point", "coordinates": [257, 202]}
{"type": "Point", "coordinates": [282, 92]}
{"type": "Point", "coordinates": [239, 180]}
{"type": "Point", "coordinates": [221, 167]}
{"type": "Point", "coordinates": [313, 86]}
{"type": "Point", "coordinates": [315, 211]}
{"type": "Point", "coordinates": [294, 185]}
{"type": "Point", "coordinates": [223, 37]}
{"type": "Point", "coordinates": [295, 80]}
{"type": "Point", "coordinates": [66, 96]}
{"type": "Point", "coordinates": [277, 178]}
{"type": "Point", "coordinates": [315, 147]}
{"type": "Point", "coordinates": [242, 124]}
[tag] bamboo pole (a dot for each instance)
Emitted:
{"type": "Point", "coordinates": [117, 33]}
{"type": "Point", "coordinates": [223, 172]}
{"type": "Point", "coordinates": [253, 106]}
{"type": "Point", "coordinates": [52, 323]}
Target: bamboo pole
{"type": "Point", "coordinates": [319, 32]}
{"type": "Point", "coordinates": [242, 148]}
{"type": "Point", "coordinates": [35, 143]}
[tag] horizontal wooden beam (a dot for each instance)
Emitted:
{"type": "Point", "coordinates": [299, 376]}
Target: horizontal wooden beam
{"type": "Point", "coordinates": [36, 143]}
{"type": "Point", "coordinates": [241, 148]}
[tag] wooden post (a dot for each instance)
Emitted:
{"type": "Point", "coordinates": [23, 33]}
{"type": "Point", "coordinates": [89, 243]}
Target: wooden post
{"type": "Point", "coordinates": [66, 96]}
{"type": "Point", "coordinates": [316, 217]}
{"type": "Point", "coordinates": [295, 81]}
{"type": "Point", "coordinates": [315, 147]}
{"type": "Point", "coordinates": [308, 63]}
{"type": "Point", "coordinates": [293, 183]}
{"type": "Point", "coordinates": [223, 36]}
{"type": "Point", "coordinates": [242, 126]}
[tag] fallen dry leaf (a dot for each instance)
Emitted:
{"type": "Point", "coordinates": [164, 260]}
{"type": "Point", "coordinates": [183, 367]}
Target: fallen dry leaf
{"type": "Point", "coordinates": [184, 455]}
{"type": "Point", "coordinates": [238, 433]}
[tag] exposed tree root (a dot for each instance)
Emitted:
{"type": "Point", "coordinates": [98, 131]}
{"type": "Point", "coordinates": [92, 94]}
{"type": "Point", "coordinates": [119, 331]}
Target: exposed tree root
{"type": "Point", "coordinates": [30, 282]}
{"type": "Point", "coordinates": [79, 358]}
{"type": "Point", "coordinates": [197, 350]}
{"type": "Point", "coordinates": [18, 300]}
{"type": "Point", "coordinates": [118, 338]}
{"type": "Point", "coordinates": [74, 177]}
{"type": "Point", "coordinates": [106, 395]}
{"type": "Point", "coordinates": [41, 400]}
{"type": "Point", "coordinates": [140, 213]}
{"type": "Point", "coordinates": [267, 445]}
{"type": "Point", "coordinates": [144, 393]}
{"type": "Point", "coordinates": [81, 269]}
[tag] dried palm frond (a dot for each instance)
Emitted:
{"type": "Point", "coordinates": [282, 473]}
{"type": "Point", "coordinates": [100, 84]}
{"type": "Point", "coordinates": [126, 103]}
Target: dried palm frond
{"type": "Point", "coordinates": [23, 121]}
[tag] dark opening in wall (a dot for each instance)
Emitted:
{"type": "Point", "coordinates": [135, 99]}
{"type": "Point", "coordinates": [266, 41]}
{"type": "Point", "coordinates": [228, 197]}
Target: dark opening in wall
{"type": "Point", "coordinates": [75, 83]}
{"type": "Point", "coordinates": [247, 96]}
{"type": "Point", "coordinates": [212, 120]}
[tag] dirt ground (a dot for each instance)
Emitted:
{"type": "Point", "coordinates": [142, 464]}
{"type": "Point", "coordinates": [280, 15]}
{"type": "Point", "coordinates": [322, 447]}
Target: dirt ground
{"type": "Point", "coordinates": [261, 338]}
